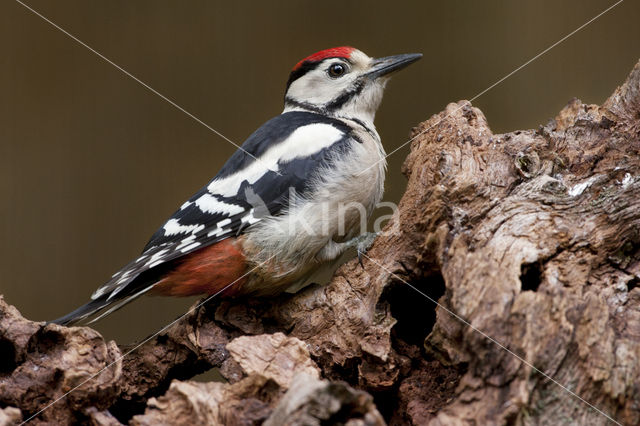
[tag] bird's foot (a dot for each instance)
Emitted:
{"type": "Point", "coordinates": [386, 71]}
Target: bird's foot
{"type": "Point", "coordinates": [363, 243]}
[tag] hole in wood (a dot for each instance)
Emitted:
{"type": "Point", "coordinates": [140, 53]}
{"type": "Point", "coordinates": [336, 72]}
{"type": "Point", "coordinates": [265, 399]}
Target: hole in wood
{"type": "Point", "coordinates": [531, 276]}
{"type": "Point", "coordinates": [415, 314]}
{"type": "Point", "coordinates": [7, 356]}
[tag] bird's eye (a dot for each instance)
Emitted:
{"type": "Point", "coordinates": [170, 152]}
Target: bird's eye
{"type": "Point", "coordinates": [336, 70]}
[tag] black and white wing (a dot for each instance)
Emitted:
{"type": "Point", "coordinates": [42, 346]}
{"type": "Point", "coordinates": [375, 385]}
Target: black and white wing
{"type": "Point", "coordinates": [286, 152]}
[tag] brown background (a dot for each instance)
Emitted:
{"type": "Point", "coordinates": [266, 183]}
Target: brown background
{"type": "Point", "coordinates": [91, 163]}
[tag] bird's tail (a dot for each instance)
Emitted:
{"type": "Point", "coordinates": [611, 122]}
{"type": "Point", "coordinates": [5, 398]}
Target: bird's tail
{"type": "Point", "coordinates": [98, 308]}
{"type": "Point", "coordinates": [84, 311]}
{"type": "Point", "coordinates": [111, 298]}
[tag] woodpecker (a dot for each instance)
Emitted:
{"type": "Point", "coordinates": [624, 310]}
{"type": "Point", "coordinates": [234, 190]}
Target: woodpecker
{"type": "Point", "coordinates": [274, 214]}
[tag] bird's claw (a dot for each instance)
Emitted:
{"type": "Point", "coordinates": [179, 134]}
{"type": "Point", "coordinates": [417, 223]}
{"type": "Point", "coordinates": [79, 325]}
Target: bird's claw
{"type": "Point", "coordinates": [363, 243]}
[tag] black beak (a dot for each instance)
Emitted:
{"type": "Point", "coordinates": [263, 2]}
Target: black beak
{"type": "Point", "coordinates": [389, 64]}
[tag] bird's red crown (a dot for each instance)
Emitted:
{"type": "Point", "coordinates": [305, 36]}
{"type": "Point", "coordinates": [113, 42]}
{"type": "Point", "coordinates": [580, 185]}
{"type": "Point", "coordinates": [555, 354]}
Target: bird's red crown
{"type": "Point", "coordinates": [334, 52]}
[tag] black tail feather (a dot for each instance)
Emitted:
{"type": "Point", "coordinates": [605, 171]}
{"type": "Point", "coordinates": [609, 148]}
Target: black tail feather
{"type": "Point", "coordinates": [82, 312]}
{"type": "Point", "coordinates": [110, 302]}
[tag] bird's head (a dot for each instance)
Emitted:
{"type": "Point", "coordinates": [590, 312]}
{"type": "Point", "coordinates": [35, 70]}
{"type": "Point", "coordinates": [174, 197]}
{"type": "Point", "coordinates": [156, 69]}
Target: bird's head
{"type": "Point", "coordinates": [342, 81]}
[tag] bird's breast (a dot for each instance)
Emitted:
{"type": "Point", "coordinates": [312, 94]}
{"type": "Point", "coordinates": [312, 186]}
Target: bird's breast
{"type": "Point", "coordinates": [336, 207]}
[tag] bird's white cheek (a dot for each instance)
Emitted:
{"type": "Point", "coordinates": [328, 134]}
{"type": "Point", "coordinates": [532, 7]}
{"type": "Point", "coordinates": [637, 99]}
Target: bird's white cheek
{"type": "Point", "coordinates": [310, 90]}
{"type": "Point", "coordinates": [317, 89]}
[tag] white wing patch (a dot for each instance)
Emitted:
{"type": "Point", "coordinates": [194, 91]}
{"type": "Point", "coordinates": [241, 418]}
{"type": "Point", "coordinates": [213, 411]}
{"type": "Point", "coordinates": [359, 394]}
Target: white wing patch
{"type": "Point", "coordinates": [173, 227]}
{"type": "Point", "coordinates": [304, 141]}
{"type": "Point", "coordinates": [308, 140]}
{"type": "Point", "coordinates": [210, 204]}
{"type": "Point", "coordinates": [186, 242]}
{"type": "Point", "coordinates": [157, 256]}
{"type": "Point", "coordinates": [219, 230]}
{"type": "Point", "coordinates": [190, 247]}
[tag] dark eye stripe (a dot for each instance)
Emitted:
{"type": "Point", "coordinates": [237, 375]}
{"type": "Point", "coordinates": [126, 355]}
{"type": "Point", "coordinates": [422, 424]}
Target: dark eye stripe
{"type": "Point", "coordinates": [304, 68]}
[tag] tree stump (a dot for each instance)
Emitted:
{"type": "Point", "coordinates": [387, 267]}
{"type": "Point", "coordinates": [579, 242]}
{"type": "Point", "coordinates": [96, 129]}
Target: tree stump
{"type": "Point", "coordinates": [528, 241]}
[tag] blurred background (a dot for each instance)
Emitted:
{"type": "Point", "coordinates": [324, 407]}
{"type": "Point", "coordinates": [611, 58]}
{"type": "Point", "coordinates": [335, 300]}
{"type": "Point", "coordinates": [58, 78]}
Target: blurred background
{"type": "Point", "coordinates": [92, 163]}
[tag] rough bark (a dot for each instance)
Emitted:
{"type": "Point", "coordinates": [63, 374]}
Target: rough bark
{"type": "Point", "coordinates": [530, 243]}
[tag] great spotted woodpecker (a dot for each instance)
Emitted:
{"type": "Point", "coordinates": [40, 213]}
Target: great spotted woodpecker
{"type": "Point", "coordinates": [274, 213]}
